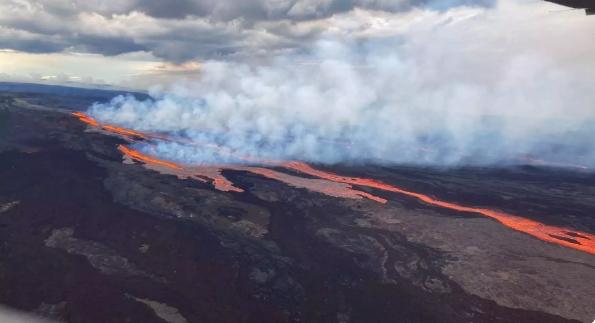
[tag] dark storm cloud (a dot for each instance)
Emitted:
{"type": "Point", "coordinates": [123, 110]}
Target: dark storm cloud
{"type": "Point", "coordinates": [32, 41]}
{"type": "Point", "coordinates": [29, 42]}
{"type": "Point", "coordinates": [255, 10]}
{"type": "Point", "coordinates": [171, 9]}
{"type": "Point", "coordinates": [183, 45]}
{"type": "Point", "coordinates": [180, 30]}
{"type": "Point", "coordinates": [108, 46]}
{"type": "Point", "coordinates": [32, 45]}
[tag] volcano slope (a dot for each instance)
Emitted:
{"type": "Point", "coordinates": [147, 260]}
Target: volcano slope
{"type": "Point", "coordinates": [89, 233]}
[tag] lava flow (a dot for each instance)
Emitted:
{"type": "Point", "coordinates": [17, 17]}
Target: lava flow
{"type": "Point", "coordinates": [573, 239]}
{"type": "Point", "coordinates": [136, 155]}
{"type": "Point", "coordinates": [132, 134]}
{"type": "Point", "coordinates": [323, 186]}
{"type": "Point", "coordinates": [339, 186]}
{"type": "Point", "coordinates": [123, 131]}
{"type": "Point", "coordinates": [213, 173]}
{"type": "Point", "coordinates": [200, 173]}
{"type": "Point", "coordinates": [86, 119]}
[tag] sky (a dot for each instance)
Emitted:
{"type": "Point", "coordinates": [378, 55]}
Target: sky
{"type": "Point", "coordinates": [140, 43]}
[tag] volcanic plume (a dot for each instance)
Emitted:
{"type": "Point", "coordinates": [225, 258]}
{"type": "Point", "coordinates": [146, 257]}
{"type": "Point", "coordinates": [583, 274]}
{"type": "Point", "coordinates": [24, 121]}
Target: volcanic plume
{"type": "Point", "coordinates": [337, 186]}
{"type": "Point", "coordinates": [389, 102]}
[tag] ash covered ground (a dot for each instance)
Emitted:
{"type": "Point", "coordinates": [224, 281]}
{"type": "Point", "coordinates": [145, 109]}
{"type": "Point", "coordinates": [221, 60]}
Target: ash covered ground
{"type": "Point", "coordinates": [85, 237]}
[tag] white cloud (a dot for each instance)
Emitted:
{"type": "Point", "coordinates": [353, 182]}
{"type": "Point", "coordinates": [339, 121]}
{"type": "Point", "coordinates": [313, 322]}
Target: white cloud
{"type": "Point", "coordinates": [446, 88]}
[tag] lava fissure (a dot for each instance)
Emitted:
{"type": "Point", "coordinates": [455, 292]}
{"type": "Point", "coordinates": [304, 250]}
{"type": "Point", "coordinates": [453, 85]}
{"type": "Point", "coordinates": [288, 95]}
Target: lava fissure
{"type": "Point", "coordinates": [128, 133]}
{"type": "Point", "coordinates": [335, 185]}
{"type": "Point", "coordinates": [584, 241]}
{"type": "Point", "coordinates": [136, 155]}
{"type": "Point", "coordinates": [317, 185]}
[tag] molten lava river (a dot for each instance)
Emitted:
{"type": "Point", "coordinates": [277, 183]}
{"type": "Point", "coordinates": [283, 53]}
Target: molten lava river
{"type": "Point", "coordinates": [329, 184]}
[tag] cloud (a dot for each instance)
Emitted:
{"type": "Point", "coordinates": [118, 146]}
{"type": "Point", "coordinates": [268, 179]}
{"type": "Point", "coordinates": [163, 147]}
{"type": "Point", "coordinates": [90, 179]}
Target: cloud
{"type": "Point", "coordinates": [29, 42]}
{"type": "Point", "coordinates": [248, 10]}
{"type": "Point", "coordinates": [465, 86]}
{"type": "Point", "coordinates": [183, 30]}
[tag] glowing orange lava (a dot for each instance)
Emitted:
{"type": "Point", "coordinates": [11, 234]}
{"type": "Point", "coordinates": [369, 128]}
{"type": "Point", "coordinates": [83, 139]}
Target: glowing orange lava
{"type": "Point", "coordinates": [327, 184]}
{"type": "Point", "coordinates": [117, 130]}
{"type": "Point", "coordinates": [86, 119]}
{"type": "Point", "coordinates": [123, 131]}
{"type": "Point", "coordinates": [316, 185]}
{"type": "Point", "coordinates": [569, 238]}
{"type": "Point", "coordinates": [212, 173]}
{"type": "Point", "coordinates": [136, 155]}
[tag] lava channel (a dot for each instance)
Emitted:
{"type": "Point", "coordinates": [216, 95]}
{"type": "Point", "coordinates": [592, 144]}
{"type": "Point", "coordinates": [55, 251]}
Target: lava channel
{"type": "Point", "coordinates": [326, 187]}
{"type": "Point", "coordinates": [213, 174]}
{"type": "Point", "coordinates": [128, 133]}
{"type": "Point", "coordinates": [578, 240]}
{"type": "Point", "coordinates": [568, 238]}
{"type": "Point", "coordinates": [200, 173]}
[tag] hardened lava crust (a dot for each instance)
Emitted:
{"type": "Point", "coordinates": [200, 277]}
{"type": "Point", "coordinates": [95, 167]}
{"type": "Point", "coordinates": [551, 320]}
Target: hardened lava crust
{"type": "Point", "coordinates": [89, 233]}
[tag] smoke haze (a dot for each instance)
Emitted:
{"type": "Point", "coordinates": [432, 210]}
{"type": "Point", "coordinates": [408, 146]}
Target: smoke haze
{"type": "Point", "coordinates": [11, 316]}
{"type": "Point", "coordinates": [463, 86]}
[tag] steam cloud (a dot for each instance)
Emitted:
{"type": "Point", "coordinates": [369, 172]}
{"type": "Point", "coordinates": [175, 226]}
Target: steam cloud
{"type": "Point", "coordinates": [465, 86]}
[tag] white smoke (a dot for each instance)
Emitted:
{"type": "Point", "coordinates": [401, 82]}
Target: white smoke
{"type": "Point", "coordinates": [11, 316]}
{"type": "Point", "coordinates": [465, 86]}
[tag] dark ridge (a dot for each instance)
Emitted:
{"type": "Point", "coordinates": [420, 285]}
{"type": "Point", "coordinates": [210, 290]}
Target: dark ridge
{"type": "Point", "coordinates": [65, 97]}
{"type": "Point", "coordinates": [576, 235]}
{"type": "Point", "coordinates": [564, 239]}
